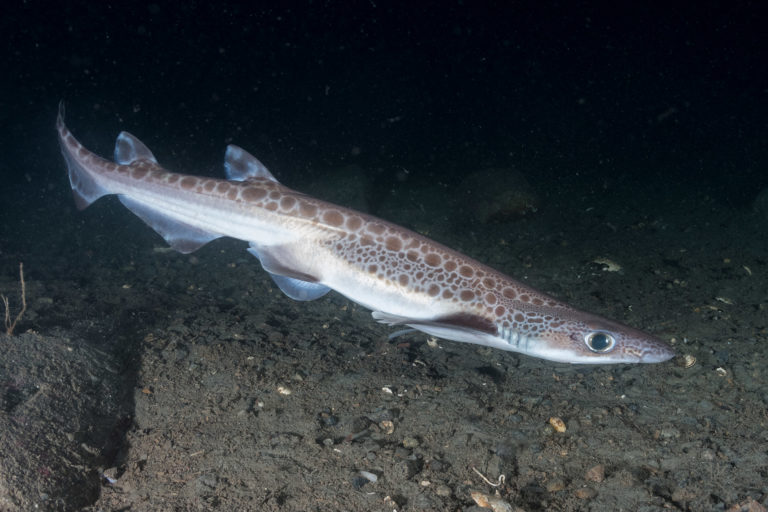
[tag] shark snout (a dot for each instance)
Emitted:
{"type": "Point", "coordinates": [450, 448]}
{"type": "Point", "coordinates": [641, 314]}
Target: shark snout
{"type": "Point", "coordinates": [657, 353]}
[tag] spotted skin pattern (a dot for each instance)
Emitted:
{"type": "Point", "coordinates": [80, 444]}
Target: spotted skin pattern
{"type": "Point", "coordinates": [404, 277]}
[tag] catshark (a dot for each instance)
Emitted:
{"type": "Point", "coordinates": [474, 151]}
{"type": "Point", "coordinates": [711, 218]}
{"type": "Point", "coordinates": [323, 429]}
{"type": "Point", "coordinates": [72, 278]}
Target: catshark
{"type": "Point", "coordinates": [309, 247]}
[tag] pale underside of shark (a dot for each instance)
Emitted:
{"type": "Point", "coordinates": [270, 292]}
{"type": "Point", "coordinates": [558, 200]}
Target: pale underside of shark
{"type": "Point", "coordinates": [310, 247]}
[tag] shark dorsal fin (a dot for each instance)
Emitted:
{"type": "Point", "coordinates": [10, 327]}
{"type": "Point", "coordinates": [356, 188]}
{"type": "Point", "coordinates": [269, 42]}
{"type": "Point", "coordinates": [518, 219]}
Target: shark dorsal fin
{"type": "Point", "coordinates": [129, 149]}
{"type": "Point", "coordinates": [240, 165]}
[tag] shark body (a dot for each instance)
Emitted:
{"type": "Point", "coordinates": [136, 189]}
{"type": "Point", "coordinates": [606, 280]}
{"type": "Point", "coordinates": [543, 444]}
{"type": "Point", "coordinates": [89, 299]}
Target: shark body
{"type": "Point", "coordinates": [310, 247]}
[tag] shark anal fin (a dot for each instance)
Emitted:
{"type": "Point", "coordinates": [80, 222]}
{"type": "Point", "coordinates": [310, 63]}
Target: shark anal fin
{"type": "Point", "coordinates": [180, 236]}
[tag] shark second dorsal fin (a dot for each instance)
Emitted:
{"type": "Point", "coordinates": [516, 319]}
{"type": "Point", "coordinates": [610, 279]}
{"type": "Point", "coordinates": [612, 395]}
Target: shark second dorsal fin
{"type": "Point", "coordinates": [240, 165]}
{"type": "Point", "coordinates": [129, 149]}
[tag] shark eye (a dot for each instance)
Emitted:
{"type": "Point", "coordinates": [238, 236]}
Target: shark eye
{"type": "Point", "coordinates": [599, 341]}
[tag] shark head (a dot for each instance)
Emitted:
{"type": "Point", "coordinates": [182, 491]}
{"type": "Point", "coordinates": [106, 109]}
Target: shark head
{"type": "Point", "coordinates": [584, 338]}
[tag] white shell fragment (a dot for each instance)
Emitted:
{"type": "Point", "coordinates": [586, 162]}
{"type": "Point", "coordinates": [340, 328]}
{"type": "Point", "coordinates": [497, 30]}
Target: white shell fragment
{"type": "Point", "coordinates": [608, 265]}
{"type": "Point", "coordinates": [368, 476]}
{"type": "Point", "coordinates": [686, 361]}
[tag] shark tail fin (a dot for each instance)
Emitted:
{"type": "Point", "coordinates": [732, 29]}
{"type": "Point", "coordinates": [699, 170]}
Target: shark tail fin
{"type": "Point", "coordinates": [85, 188]}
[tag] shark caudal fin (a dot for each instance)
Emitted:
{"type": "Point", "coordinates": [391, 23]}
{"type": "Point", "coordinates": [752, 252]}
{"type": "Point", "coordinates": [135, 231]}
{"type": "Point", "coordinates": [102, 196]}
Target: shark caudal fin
{"type": "Point", "coordinates": [87, 176]}
{"type": "Point", "coordinates": [85, 188]}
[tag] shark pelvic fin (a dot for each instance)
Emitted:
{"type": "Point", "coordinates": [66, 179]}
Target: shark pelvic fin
{"type": "Point", "coordinates": [296, 286]}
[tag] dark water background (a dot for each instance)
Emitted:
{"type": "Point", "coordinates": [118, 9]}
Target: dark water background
{"type": "Point", "coordinates": [655, 98]}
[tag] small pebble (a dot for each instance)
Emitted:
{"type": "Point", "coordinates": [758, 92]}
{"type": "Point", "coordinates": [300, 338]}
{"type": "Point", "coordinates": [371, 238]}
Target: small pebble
{"type": "Point", "coordinates": [410, 442]}
{"type": "Point", "coordinates": [402, 453]}
{"type": "Point", "coordinates": [436, 466]}
{"type": "Point", "coordinates": [110, 475]}
{"type": "Point", "coordinates": [406, 469]}
{"type": "Point", "coordinates": [669, 433]}
{"type": "Point", "coordinates": [328, 420]}
{"type": "Point", "coordinates": [443, 490]}
{"type": "Point", "coordinates": [747, 505]}
{"type": "Point", "coordinates": [492, 502]}
{"type": "Point", "coordinates": [585, 493]}
{"type": "Point", "coordinates": [557, 423]}
{"type": "Point", "coordinates": [556, 485]}
{"type": "Point", "coordinates": [359, 481]}
{"type": "Point", "coordinates": [682, 494]}
{"type": "Point", "coordinates": [596, 473]}
{"type": "Point", "coordinates": [387, 426]}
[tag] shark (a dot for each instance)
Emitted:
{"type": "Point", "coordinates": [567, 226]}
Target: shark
{"type": "Point", "coordinates": [310, 247]}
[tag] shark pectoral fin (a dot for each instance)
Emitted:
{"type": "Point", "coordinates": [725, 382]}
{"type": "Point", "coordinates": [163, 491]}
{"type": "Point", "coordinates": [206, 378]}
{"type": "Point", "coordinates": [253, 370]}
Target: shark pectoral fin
{"type": "Point", "coordinates": [458, 327]}
{"type": "Point", "coordinates": [294, 284]}
{"type": "Point", "coordinates": [129, 149]}
{"type": "Point", "coordinates": [180, 236]}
